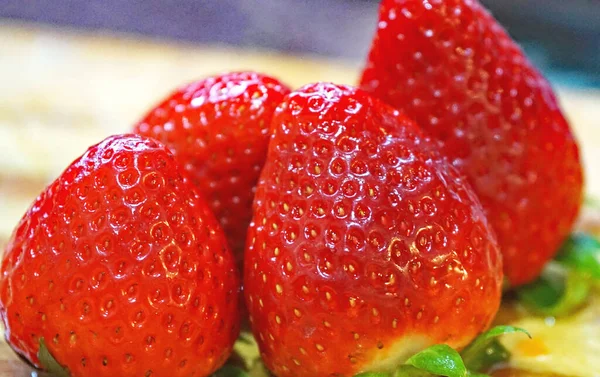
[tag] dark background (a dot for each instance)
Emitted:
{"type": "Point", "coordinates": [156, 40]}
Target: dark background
{"type": "Point", "coordinates": [561, 36]}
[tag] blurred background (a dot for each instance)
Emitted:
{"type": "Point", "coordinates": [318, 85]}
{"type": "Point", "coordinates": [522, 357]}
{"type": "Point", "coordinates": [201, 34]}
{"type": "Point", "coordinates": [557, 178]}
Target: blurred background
{"type": "Point", "coordinates": [561, 36]}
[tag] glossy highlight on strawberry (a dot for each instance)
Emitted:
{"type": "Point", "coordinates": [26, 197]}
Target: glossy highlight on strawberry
{"type": "Point", "coordinates": [451, 67]}
{"type": "Point", "coordinates": [122, 270]}
{"type": "Point", "coordinates": [366, 245]}
{"type": "Point", "coordinates": [218, 130]}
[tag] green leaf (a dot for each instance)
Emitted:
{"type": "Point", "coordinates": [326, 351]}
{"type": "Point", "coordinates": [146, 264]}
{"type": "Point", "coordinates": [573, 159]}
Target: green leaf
{"type": "Point", "coordinates": [245, 352]}
{"type": "Point", "coordinates": [246, 338]}
{"type": "Point", "coordinates": [575, 294]}
{"type": "Point", "coordinates": [442, 360]}
{"type": "Point", "coordinates": [567, 282]}
{"type": "Point", "coordinates": [543, 293]}
{"type": "Point", "coordinates": [494, 354]}
{"type": "Point", "coordinates": [49, 362]}
{"type": "Point", "coordinates": [475, 374]}
{"type": "Point", "coordinates": [228, 370]}
{"type": "Point", "coordinates": [372, 374]}
{"type": "Point", "coordinates": [410, 371]}
{"type": "Point", "coordinates": [258, 369]}
{"type": "Point", "coordinates": [552, 296]}
{"type": "Point", "coordinates": [439, 360]}
{"type": "Point", "coordinates": [581, 252]}
{"type": "Point", "coordinates": [485, 350]}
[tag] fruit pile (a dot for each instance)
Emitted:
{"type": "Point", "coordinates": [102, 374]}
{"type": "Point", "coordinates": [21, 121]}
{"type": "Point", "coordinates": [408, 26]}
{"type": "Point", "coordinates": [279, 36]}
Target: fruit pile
{"type": "Point", "coordinates": [354, 230]}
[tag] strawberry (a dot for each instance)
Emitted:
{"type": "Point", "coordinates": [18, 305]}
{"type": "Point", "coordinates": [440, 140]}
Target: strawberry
{"type": "Point", "coordinates": [218, 130]}
{"type": "Point", "coordinates": [451, 67]}
{"type": "Point", "coordinates": [120, 268]}
{"type": "Point", "coordinates": [365, 245]}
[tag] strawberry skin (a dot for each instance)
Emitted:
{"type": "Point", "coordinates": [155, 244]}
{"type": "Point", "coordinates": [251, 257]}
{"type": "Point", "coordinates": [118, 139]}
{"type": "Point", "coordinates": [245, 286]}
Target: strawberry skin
{"type": "Point", "coordinates": [122, 269]}
{"type": "Point", "coordinates": [218, 130]}
{"type": "Point", "coordinates": [365, 245]}
{"type": "Point", "coordinates": [451, 67]}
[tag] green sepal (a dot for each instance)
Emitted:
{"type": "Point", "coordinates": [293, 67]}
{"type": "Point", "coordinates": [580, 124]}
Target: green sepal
{"type": "Point", "coordinates": [246, 338]}
{"type": "Point", "coordinates": [553, 295]}
{"type": "Point", "coordinates": [440, 360]}
{"type": "Point", "coordinates": [494, 354]}
{"type": "Point", "coordinates": [245, 352]}
{"type": "Point", "coordinates": [577, 290]}
{"type": "Point", "coordinates": [49, 362]}
{"type": "Point", "coordinates": [229, 370]}
{"type": "Point", "coordinates": [411, 371]}
{"type": "Point", "coordinates": [485, 350]}
{"type": "Point", "coordinates": [567, 282]}
{"type": "Point", "coordinates": [475, 374]}
{"type": "Point", "coordinates": [372, 374]}
{"type": "Point", "coordinates": [544, 292]}
{"type": "Point", "coordinates": [581, 252]}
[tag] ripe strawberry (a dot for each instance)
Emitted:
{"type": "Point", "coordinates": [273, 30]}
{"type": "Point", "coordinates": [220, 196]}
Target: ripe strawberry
{"type": "Point", "coordinates": [450, 66]}
{"type": "Point", "coordinates": [218, 130]}
{"type": "Point", "coordinates": [121, 268]}
{"type": "Point", "coordinates": [366, 245]}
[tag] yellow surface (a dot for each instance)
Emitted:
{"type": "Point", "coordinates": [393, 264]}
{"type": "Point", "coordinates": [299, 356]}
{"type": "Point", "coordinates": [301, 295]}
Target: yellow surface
{"type": "Point", "coordinates": [62, 91]}
{"type": "Point", "coordinates": [570, 345]}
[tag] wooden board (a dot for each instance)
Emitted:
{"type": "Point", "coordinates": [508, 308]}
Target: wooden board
{"type": "Point", "coordinates": [61, 91]}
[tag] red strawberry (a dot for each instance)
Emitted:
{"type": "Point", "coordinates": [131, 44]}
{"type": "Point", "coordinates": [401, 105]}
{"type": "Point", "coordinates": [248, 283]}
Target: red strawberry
{"type": "Point", "coordinates": [366, 245]}
{"type": "Point", "coordinates": [218, 130]}
{"type": "Point", "coordinates": [450, 66]}
{"type": "Point", "coordinates": [121, 268]}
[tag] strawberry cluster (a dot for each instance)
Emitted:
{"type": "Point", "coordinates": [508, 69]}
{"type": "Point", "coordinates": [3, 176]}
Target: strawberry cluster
{"type": "Point", "coordinates": [368, 223]}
